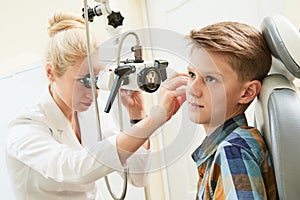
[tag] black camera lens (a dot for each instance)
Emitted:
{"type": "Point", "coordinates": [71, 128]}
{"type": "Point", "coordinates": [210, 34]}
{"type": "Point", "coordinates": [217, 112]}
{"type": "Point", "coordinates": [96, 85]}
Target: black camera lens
{"type": "Point", "coordinates": [149, 79]}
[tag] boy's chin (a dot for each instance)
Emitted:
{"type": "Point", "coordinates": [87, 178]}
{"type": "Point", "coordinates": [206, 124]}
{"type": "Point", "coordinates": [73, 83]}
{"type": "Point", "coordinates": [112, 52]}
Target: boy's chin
{"type": "Point", "coordinates": [195, 118]}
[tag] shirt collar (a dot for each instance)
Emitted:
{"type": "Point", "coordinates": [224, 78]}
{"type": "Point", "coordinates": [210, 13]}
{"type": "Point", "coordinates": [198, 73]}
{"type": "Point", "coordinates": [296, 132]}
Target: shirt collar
{"type": "Point", "coordinates": [211, 142]}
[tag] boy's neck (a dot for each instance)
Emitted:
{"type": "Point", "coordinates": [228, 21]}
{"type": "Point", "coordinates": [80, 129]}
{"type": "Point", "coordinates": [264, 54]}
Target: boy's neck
{"type": "Point", "coordinates": [211, 127]}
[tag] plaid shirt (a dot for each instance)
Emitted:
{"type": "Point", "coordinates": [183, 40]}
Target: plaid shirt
{"type": "Point", "coordinates": [234, 163]}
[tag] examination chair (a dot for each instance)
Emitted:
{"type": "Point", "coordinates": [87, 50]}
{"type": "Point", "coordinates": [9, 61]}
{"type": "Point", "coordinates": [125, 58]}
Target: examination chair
{"type": "Point", "coordinates": [277, 111]}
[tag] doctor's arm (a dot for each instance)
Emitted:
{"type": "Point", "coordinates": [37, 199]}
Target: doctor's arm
{"type": "Point", "coordinates": [170, 99]}
{"type": "Point", "coordinates": [134, 103]}
{"type": "Point", "coordinates": [31, 142]}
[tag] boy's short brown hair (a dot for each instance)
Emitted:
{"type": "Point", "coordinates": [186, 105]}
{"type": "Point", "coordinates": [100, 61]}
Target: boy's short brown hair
{"type": "Point", "coordinates": [242, 46]}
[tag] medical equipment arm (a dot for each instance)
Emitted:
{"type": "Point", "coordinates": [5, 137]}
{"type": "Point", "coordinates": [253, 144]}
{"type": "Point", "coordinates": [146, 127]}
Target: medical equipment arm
{"type": "Point", "coordinates": [114, 19]}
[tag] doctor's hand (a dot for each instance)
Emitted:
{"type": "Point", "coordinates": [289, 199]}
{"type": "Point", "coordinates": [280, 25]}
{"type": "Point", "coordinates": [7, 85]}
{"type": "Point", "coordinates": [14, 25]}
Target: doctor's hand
{"type": "Point", "coordinates": [134, 103]}
{"type": "Point", "coordinates": [172, 94]}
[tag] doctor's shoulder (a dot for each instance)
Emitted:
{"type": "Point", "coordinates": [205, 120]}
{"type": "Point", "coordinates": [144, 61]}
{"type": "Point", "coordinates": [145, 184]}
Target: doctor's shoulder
{"type": "Point", "coordinates": [28, 116]}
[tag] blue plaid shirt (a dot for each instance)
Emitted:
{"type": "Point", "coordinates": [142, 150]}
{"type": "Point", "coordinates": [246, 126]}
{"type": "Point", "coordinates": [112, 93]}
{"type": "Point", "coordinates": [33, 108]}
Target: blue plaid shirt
{"type": "Point", "coordinates": [234, 163]}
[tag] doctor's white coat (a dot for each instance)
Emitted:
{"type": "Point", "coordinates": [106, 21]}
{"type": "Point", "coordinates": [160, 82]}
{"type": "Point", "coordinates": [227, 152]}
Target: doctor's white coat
{"type": "Point", "coordinates": [45, 160]}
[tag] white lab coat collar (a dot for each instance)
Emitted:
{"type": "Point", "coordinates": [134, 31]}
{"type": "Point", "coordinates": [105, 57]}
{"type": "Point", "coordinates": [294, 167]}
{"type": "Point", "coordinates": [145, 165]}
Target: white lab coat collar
{"type": "Point", "coordinates": [59, 122]}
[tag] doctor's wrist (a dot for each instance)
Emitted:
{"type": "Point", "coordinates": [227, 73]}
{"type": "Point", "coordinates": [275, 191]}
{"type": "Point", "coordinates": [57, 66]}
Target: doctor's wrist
{"type": "Point", "coordinates": [135, 121]}
{"type": "Point", "coordinates": [137, 115]}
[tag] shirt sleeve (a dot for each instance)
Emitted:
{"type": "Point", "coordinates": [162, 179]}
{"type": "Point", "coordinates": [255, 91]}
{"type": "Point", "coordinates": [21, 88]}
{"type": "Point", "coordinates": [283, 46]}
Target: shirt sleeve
{"type": "Point", "coordinates": [139, 166]}
{"type": "Point", "coordinates": [30, 142]}
{"type": "Point", "coordinates": [235, 174]}
{"type": "Point", "coordinates": [138, 163]}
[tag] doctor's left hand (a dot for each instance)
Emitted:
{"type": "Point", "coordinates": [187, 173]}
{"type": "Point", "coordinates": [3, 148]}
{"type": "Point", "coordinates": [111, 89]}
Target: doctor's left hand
{"type": "Point", "coordinates": [134, 102]}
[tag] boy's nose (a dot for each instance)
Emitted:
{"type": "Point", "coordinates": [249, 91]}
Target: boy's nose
{"type": "Point", "coordinates": [195, 88]}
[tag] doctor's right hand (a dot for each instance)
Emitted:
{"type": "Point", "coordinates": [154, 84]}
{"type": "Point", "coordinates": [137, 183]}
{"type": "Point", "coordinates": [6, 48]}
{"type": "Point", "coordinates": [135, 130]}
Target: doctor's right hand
{"type": "Point", "coordinates": [172, 94]}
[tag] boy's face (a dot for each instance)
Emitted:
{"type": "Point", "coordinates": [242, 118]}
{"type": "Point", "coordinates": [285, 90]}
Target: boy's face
{"type": "Point", "coordinates": [213, 91]}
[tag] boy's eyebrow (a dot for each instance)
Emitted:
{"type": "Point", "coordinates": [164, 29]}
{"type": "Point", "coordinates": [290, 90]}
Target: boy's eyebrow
{"type": "Point", "coordinates": [204, 71]}
{"type": "Point", "coordinates": [189, 67]}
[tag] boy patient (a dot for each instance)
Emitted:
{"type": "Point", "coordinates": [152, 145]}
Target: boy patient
{"type": "Point", "coordinates": [228, 61]}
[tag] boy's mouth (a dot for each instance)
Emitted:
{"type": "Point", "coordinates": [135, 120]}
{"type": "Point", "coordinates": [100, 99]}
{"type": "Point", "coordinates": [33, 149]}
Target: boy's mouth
{"type": "Point", "coordinates": [195, 105]}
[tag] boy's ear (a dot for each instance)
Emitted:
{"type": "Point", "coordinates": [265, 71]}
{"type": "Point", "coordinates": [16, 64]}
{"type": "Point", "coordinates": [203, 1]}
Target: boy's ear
{"type": "Point", "coordinates": [251, 90]}
{"type": "Point", "coordinates": [49, 72]}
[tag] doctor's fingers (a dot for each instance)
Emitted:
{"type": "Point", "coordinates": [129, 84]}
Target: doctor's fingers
{"type": "Point", "coordinates": [180, 94]}
{"type": "Point", "coordinates": [168, 98]}
{"type": "Point", "coordinates": [175, 82]}
{"type": "Point", "coordinates": [173, 101]}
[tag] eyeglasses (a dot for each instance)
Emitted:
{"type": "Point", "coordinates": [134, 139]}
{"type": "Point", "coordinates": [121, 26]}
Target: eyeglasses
{"type": "Point", "coordinates": [86, 81]}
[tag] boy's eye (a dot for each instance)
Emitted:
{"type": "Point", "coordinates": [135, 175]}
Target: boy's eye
{"type": "Point", "coordinates": [191, 75]}
{"type": "Point", "coordinates": [210, 79]}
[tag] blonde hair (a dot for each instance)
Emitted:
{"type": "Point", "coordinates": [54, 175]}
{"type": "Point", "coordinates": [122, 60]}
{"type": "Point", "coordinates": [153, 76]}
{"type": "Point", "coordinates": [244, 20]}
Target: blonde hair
{"type": "Point", "coordinates": [242, 46]}
{"type": "Point", "coordinates": [67, 45]}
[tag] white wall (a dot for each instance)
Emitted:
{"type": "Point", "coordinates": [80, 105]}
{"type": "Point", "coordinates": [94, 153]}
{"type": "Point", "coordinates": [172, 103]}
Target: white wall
{"type": "Point", "coordinates": [23, 36]}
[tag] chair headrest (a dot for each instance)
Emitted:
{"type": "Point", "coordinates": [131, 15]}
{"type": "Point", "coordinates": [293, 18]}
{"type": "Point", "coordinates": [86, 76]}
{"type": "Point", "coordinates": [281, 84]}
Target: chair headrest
{"type": "Point", "coordinates": [283, 40]}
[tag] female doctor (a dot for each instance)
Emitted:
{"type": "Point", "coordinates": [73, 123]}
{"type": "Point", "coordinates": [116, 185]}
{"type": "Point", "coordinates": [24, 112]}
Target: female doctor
{"type": "Point", "coordinates": [45, 155]}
